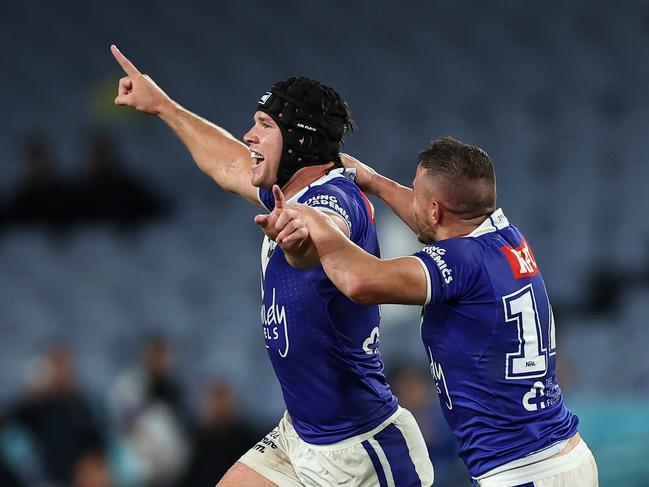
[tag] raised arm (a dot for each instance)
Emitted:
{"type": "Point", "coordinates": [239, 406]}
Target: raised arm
{"type": "Point", "coordinates": [216, 152]}
{"type": "Point", "coordinates": [399, 198]}
{"type": "Point", "coordinates": [362, 277]}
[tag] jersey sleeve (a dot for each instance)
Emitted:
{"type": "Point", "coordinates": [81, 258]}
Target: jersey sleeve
{"type": "Point", "coordinates": [330, 198]}
{"type": "Point", "coordinates": [449, 267]}
{"type": "Point", "coordinates": [266, 198]}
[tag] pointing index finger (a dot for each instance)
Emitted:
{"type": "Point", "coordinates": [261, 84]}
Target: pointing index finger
{"type": "Point", "coordinates": [128, 67]}
{"type": "Point", "coordinates": [280, 201]}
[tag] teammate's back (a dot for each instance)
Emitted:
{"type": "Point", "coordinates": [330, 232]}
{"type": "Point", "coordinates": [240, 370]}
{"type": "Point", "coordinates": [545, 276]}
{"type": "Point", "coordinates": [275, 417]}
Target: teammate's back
{"type": "Point", "coordinates": [489, 334]}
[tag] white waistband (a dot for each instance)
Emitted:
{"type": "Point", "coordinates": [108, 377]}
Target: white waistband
{"type": "Point", "coordinates": [539, 470]}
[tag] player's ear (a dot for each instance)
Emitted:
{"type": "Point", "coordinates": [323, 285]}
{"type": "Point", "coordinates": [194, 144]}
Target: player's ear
{"type": "Point", "coordinates": [436, 212]}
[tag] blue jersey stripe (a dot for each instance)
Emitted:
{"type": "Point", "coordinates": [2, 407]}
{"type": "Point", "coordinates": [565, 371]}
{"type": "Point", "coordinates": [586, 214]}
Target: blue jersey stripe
{"type": "Point", "coordinates": [380, 474]}
{"type": "Point", "coordinates": [395, 448]}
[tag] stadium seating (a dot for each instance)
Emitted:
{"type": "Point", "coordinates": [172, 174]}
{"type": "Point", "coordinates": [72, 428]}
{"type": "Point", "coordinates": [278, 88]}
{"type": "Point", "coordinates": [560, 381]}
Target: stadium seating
{"type": "Point", "coordinates": [555, 93]}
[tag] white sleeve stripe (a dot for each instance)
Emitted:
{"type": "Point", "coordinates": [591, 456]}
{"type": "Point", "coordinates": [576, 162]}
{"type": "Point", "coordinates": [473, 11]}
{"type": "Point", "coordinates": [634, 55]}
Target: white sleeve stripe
{"type": "Point", "coordinates": [428, 284]}
{"type": "Point", "coordinates": [326, 209]}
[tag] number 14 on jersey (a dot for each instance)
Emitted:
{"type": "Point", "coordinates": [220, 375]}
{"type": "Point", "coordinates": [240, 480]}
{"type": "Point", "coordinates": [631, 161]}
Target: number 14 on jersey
{"type": "Point", "coordinates": [536, 336]}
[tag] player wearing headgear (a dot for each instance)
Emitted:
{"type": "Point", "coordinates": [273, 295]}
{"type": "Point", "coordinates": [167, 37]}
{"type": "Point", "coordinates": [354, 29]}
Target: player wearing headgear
{"type": "Point", "coordinates": [343, 424]}
{"type": "Point", "coordinates": [487, 323]}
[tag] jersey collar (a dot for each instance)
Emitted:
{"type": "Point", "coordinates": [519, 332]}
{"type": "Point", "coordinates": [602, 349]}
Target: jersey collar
{"type": "Point", "coordinates": [334, 173]}
{"type": "Point", "coordinates": [494, 222]}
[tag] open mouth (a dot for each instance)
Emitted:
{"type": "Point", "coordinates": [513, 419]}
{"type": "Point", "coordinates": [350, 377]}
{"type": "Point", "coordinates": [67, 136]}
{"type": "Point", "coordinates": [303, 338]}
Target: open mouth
{"type": "Point", "coordinates": [256, 157]}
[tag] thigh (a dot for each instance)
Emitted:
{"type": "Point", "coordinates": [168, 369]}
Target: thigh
{"type": "Point", "coordinates": [269, 460]}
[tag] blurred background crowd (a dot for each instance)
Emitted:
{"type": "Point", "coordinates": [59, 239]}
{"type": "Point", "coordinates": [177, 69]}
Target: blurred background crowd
{"type": "Point", "coordinates": [130, 348]}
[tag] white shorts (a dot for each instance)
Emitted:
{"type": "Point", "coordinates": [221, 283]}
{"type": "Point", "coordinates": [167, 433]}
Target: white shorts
{"type": "Point", "coordinates": [577, 468]}
{"type": "Point", "coordinates": [393, 453]}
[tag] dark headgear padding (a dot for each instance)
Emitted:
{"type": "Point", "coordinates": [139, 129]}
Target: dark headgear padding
{"type": "Point", "coordinates": [312, 118]}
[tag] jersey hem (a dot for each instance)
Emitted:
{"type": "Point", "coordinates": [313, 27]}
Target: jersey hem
{"type": "Point", "coordinates": [351, 440]}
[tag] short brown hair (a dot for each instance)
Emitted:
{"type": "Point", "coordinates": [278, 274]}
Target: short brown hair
{"type": "Point", "coordinates": [466, 176]}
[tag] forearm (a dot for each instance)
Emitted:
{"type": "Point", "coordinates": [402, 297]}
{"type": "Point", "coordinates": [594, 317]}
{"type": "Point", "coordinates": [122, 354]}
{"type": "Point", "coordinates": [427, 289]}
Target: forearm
{"type": "Point", "coordinates": [399, 198]}
{"type": "Point", "coordinates": [216, 152]}
{"type": "Point", "coordinates": [344, 263]}
{"type": "Point", "coordinates": [362, 277]}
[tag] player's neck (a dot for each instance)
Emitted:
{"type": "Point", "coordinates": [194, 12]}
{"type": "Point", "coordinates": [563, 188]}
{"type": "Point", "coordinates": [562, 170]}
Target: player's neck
{"type": "Point", "coordinates": [460, 228]}
{"type": "Point", "coordinates": [305, 176]}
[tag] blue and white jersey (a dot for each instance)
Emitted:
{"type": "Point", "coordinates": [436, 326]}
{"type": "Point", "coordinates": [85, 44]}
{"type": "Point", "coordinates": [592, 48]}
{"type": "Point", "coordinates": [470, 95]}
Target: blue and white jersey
{"type": "Point", "coordinates": [325, 348]}
{"type": "Point", "coordinates": [489, 334]}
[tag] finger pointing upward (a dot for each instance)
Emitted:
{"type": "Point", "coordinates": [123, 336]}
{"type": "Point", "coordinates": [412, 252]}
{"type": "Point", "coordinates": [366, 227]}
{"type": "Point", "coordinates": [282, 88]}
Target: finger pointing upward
{"type": "Point", "coordinates": [280, 201]}
{"type": "Point", "coordinates": [128, 67]}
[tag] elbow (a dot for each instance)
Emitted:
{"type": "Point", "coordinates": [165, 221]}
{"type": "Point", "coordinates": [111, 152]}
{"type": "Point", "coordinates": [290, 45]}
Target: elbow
{"type": "Point", "coordinates": [363, 300]}
{"type": "Point", "coordinates": [358, 291]}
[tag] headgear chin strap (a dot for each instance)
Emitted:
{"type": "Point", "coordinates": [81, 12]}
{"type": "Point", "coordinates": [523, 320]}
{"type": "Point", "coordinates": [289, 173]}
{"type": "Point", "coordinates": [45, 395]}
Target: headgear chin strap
{"type": "Point", "coordinates": [313, 119]}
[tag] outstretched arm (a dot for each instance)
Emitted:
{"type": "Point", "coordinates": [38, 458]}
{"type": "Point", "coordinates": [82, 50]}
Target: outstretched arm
{"type": "Point", "coordinates": [216, 152]}
{"type": "Point", "coordinates": [399, 198]}
{"type": "Point", "coordinates": [362, 277]}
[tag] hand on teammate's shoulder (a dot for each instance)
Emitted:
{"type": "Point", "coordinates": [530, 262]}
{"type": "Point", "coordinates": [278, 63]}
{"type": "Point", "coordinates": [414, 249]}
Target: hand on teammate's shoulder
{"type": "Point", "coordinates": [364, 173]}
